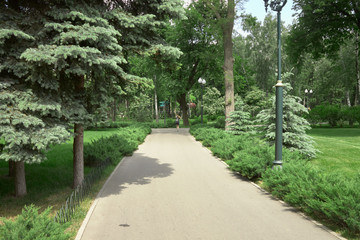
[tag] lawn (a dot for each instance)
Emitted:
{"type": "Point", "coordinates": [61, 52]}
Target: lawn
{"type": "Point", "coordinates": [48, 183]}
{"type": "Point", "coordinates": [339, 149]}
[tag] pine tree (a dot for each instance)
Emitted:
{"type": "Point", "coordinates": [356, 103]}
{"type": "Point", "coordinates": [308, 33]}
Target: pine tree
{"type": "Point", "coordinates": [29, 108]}
{"type": "Point", "coordinates": [239, 120]}
{"type": "Point", "coordinates": [80, 45]}
{"type": "Point", "coordinates": [294, 124]}
{"type": "Point", "coordinates": [73, 63]}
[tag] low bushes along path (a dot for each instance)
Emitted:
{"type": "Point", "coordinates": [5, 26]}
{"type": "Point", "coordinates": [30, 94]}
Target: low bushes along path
{"type": "Point", "coordinates": [173, 188]}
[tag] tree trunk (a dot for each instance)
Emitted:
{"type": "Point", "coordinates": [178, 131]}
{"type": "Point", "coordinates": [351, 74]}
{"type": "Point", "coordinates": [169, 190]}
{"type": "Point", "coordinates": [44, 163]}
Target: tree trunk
{"type": "Point", "coordinates": [357, 67]}
{"type": "Point", "coordinates": [78, 157]}
{"type": "Point", "coordinates": [11, 169]}
{"type": "Point", "coordinates": [20, 181]}
{"type": "Point", "coordinates": [155, 102]}
{"type": "Point", "coordinates": [184, 109]}
{"type": "Point", "coordinates": [229, 60]}
{"type": "Point", "coordinates": [348, 98]}
{"type": "Point", "coordinates": [78, 146]}
{"type": "Point", "coordinates": [114, 111]}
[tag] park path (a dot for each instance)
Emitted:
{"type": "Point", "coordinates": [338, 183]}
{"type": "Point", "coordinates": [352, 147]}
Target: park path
{"type": "Point", "coordinates": [172, 188]}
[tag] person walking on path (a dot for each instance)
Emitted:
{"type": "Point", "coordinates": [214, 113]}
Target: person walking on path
{"type": "Point", "coordinates": [177, 121]}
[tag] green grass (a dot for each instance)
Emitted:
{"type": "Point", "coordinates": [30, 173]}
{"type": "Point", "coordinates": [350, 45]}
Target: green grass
{"type": "Point", "coordinates": [340, 149]}
{"type": "Point", "coordinates": [48, 183]}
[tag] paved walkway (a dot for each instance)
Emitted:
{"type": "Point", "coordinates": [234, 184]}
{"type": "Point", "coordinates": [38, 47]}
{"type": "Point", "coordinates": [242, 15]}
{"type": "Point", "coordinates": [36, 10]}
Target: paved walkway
{"type": "Point", "coordinates": [172, 188]}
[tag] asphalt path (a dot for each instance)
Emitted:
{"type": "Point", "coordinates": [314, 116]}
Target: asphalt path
{"type": "Point", "coordinates": [172, 188]}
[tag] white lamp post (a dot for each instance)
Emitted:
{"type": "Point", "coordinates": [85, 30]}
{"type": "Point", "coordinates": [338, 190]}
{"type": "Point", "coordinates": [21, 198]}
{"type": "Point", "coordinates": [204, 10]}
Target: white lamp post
{"type": "Point", "coordinates": [202, 83]}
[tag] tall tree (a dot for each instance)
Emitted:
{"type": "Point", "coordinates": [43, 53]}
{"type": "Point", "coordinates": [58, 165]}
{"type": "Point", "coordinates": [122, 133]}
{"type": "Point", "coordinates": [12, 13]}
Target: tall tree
{"type": "Point", "coordinates": [29, 106]}
{"type": "Point", "coordinates": [196, 38]}
{"type": "Point", "coordinates": [322, 27]}
{"type": "Point", "coordinates": [261, 49]}
{"type": "Point", "coordinates": [225, 14]}
{"type": "Point", "coordinates": [78, 44]}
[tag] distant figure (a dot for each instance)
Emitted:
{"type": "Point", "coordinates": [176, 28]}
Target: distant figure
{"type": "Point", "coordinates": [177, 121]}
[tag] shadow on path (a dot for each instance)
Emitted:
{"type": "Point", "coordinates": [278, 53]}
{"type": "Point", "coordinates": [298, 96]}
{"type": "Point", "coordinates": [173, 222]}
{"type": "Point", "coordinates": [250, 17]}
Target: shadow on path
{"type": "Point", "coordinates": [136, 170]}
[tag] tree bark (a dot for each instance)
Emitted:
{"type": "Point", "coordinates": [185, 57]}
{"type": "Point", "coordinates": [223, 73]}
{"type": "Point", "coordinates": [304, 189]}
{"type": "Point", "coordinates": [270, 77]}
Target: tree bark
{"type": "Point", "coordinates": [78, 146]}
{"type": "Point", "coordinates": [348, 101]}
{"type": "Point", "coordinates": [357, 67]}
{"type": "Point", "coordinates": [227, 28]}
{"type": "Point", "coordinates": [20, 181]}
{"type": "Point", "coordinates": [155, 102]}
{"type": "Point", "coordinates": [11, 169]}
{"type": "Point", "coordinates": [114, 111]}
{"type": "Point", "coordinates": [184, 109]}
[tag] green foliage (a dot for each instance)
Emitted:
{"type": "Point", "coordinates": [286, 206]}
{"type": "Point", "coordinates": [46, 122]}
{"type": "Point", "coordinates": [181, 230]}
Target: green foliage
{"type": "Point", "coordinates": [140, 108]}
{"type": "Point", "coordinates": [326, 113]}
{"type": "Point", "coordinates": [170, 123]}
{"type": "Point", "coordinates": [255, 100]}
{"type": "Point", "coordinates": [116, 146]}
{"type": "Point", "coordinates": [294, 125]}
{"type": "Point", "coordinates": [240, 120]}
{"type": "Point", "coordinates": [29, 110]}
{"type": "Point", "coordinates": [350, 114]}
{"type": "Point", "coordinates": [253, 159]}
{"type": "Point", "coordinates": [207, 135]}
{"type": "Point", "coordinates": [197, 120]}
{"type": "Point", "coordinates": [225, 148]}
{"type": "Point", "coordinates": [314, 30]}
{"type": "Point", "coordinates": [323, 195]}
{"type": "Point", "coordinates": [220, 122]}
{"type": "Point", "coordinates": [330, 196]}
{"type": "Point", "coordinates": [31, 225]}
{"type": "Point", "coordinates": [213, 101]}
{"type": "Point", "coordinates": [260, 49]}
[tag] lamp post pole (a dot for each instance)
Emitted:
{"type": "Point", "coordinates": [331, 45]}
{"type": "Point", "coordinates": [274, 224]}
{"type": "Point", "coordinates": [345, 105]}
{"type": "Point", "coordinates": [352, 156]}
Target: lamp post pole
{"type": "Point", "coordinates": [277, 5]}
{"type": "Point", "coordinates": [202, 83]}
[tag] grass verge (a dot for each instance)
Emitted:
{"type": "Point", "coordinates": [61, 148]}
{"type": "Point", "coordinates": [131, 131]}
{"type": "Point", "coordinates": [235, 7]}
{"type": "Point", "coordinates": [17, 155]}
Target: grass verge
{"type": "Point", "coordinates": [339, 150]}
{"type": "Point", "coordinates": [49, 183]}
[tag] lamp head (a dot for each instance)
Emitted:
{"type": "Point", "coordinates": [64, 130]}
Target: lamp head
{"type": "Point", "coordinates": [306, 91]}
{"type": "Point", "coordinates": [201, 81]}
{"type": "Point", "coordinates": [275, 5]}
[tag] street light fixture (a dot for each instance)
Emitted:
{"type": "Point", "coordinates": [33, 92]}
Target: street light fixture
{"type": "Point", "coordinates": [202, 83]}
{"type": "Point", "coordinates": [309, 93]}
{"type": "Point", "coordinates": [277, 5]}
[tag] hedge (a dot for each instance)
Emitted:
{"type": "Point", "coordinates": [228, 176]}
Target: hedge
{"type": "Point", "coordinates": [332, 197]}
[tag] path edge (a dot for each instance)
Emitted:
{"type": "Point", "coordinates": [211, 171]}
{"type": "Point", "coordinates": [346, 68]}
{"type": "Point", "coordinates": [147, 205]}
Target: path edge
{"type": "Point", "coordinates": [93, 205]}
{"type": "Point", "coordinates": [335, 234]}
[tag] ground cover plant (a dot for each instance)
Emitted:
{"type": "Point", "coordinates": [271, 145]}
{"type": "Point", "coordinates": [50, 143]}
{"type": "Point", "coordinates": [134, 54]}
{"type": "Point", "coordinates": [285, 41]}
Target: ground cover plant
{"type": "Point", "coordinates": [50, 182]}
{"type": "Point", "coordinates": [325, 187]}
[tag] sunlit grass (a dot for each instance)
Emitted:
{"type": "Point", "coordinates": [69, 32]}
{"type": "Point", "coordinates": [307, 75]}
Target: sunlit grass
{"type": "Point", "coordinates": [339, 149]}
{"type": "Point", "coordinates": [48, 183]}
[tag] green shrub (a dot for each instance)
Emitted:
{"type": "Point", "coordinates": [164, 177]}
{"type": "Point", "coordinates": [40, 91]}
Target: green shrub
{"type": "Point", "coordinates": [220, 122]}
{"type": "Point", "coordinates": [225, 148]}
{"type": "Point", "coordinates": [253, 160]}
{"type": "Point", "coordinates": [350, 114]}
{"type": "Point", "coordinates": [329, 196]}
{"type": "Point", "coordinates": [197, 120]}
{"type": "Point", "coordinates": [115, 146]}
{"type": "Point", "coordinates": [108, 124]}
{"type": "Point", "coordinates": [170, 123]}
{"type": "Point", "coordinates": [30, 225]}
{"type": "Point", "coordinates": [208, 136]}
{"type": "Point", "coordinates": [326, 113]}
{"type": "Point", "coordinates": [356, 109]}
